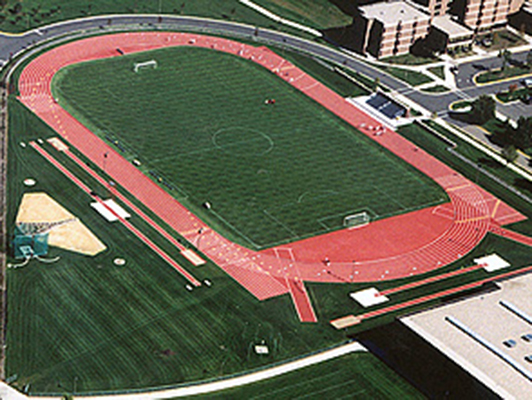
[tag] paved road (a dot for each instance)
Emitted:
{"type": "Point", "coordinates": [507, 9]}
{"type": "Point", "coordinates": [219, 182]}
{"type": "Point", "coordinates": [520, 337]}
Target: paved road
{"type": "Point", "coordinates": [11, 45]}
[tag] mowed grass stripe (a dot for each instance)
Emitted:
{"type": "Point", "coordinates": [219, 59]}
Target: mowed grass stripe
{"type": "Point", "coordinates": [172, 118]}
{"type": "Point", "coordinates": [85, 323]}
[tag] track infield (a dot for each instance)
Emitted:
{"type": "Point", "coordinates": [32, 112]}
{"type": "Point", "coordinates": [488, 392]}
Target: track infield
{"type": "Point", "coordinates": [215, 127]}
{"type": "Point", "coordinates": [370, 253]}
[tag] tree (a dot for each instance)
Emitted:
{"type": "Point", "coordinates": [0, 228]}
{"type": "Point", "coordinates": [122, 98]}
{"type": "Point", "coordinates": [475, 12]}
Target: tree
{"type": "Point", "coordinates": [510, 153]}
{"type": "Point", "coordinates": [482, 109]}
{"type": "Point", "coordinates": [506, 56]}
{"type": "Point", "coordinates": [376, 84]}
{"type": "Point", "coordinates": [529, 59]}
{"type": "Point", "coordinates": [523, 133]}
{"type": "Point", "coordinates": [519, 137]}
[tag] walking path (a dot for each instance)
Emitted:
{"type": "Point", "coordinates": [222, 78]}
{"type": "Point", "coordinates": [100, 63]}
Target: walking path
{"type": "Point", "coordinates": [7, 393]}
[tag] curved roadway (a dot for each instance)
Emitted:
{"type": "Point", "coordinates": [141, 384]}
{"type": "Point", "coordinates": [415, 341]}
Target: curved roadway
{"type": "Point", "coordinates": [11, 45]}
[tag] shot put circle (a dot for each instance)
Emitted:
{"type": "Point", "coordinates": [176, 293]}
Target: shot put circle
{"type": "Point", "coordinates": [119, 262]}
{"type": "Point", "coordinates": [242, 142]}
{"type": "Point", "coordinates": [30, 182]}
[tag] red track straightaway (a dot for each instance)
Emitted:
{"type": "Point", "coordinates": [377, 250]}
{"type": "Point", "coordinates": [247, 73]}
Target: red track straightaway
{"type": "Point", "coordinates": [393, 248]}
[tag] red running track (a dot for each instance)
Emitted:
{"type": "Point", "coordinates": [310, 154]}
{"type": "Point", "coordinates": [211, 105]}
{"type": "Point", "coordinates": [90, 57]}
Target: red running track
{"type": "Point", "coordinates": [127, 224]}
{"type": "Point", "coordinates": [394, 248]}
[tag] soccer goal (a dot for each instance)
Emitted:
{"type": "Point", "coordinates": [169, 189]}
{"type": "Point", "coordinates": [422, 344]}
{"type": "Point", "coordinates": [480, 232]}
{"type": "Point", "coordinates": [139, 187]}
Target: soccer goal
{"type": "Point", "coordinates": [358, 219]}
{"type": "Point", "coordinates": [145, 64]}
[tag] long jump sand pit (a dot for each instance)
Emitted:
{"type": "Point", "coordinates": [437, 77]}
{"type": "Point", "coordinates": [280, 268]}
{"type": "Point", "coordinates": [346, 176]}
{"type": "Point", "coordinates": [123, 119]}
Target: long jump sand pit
{"type": "Point", "coordinates": [64, 229]}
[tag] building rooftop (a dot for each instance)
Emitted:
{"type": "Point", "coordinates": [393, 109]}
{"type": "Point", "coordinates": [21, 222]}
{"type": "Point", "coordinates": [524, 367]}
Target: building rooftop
{"type": "Point", "coordinates": [453, 29]}
{"type": "Point", "coordinates": [390, 13]}
{"type": "Point", "coordinates": [484, 335]}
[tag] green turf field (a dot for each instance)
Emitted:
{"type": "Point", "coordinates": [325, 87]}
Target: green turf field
{"type": "Point", "coordinates": [273, 173]}
{"type": "Point", "coordinates": [85, 322]}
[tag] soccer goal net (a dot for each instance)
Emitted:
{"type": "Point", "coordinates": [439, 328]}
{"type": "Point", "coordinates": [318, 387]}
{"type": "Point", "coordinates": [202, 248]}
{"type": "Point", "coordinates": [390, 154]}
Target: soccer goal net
{"type": "Point", "coordinates": [145, 64]}
{"type": "Point", "coordinates": [358, 219]}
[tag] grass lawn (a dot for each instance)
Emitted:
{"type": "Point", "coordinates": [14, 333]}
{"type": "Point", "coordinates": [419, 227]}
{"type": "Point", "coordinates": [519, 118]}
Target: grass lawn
{"type": "Point", "coordinates": [461, 53]}
{"type": "Point", "coordinates": [319, 14]}
{"type": "Point", "coordinates": [499, 74]}
{"type": "Point", "coordinates": [366, 83]}
{"type": "Point", "coordinates": [438, 71]}
{"type": "Point", "coordinates": [457, 105]}
{"type": "Point", "coordinates": [213, 139]}
{"type": "Point", "coordinates": [413, 78]}
{"type": "Point", "coordinates": [85, 322]}
{"type": "Point", "coordinates": [436, 89]}
{"type": "Point", "coordinates": [409, 59]}
{"type": "Point", "coordinates": [357, 375]}
{"type": "Point", "coordinates": [325, 73]}
{"type": "Point", "coordinates": [19, 15]}
{"type": "Point", "coordinates": [439, 149]}
{"type": "Point", "coordinates": [88, 324]}
{"type": "Point", "coordinates": [106, 325]}
{"type": "Point", "coordinates": [503, 39]}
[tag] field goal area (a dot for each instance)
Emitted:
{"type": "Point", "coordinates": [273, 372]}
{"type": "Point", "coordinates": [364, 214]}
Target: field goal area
{"type": "Point", "coordinates": [144, 65]}
{"type": "Point", "coordinates": [356, 220]}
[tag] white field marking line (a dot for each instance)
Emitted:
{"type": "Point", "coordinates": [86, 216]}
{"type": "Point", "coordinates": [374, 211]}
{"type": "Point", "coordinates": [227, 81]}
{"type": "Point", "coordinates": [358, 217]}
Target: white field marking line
{"type": "Point", "coordinates": [286, 250]}
{"type": "Point", "coordinates": [310, 87]}
{"type": "Point", "coordinates": [235, 229]}
{"type": "Point", "coordinates": [280, 223]}
{"type": "Point", "coordinates": [298, 78]}
{"type": "Point", "coordinates": [232, 382]}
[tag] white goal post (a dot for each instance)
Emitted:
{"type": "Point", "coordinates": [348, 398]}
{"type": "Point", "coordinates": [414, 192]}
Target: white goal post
{"type": "Point", "coordinates": [144, 64]}
{"type": "Point", "coordinates": [358, 219]}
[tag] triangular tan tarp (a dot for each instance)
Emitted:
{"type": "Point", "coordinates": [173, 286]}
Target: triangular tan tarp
{"type": "Point", "coordinates": [65, 231]}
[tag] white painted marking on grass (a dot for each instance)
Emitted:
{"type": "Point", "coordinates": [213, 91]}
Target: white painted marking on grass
{"type": "Point", "coordinates": [493, 262]}
{"type": "Point", "coordinates": [110, 210]}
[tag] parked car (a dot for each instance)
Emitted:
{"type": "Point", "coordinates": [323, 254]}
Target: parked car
{"type": "Point", "coordinates": [527, 337]}
{"type": "Point", "coordinates": [510, 343]}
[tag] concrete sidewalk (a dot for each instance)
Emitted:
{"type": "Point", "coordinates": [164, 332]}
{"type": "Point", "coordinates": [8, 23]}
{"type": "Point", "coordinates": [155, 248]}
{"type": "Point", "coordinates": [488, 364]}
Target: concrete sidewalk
{"type": "Point", "coordinates": [7, 393]}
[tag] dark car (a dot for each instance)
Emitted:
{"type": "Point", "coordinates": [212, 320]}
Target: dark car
{"type": "Point", "coordinates": [527, 337]}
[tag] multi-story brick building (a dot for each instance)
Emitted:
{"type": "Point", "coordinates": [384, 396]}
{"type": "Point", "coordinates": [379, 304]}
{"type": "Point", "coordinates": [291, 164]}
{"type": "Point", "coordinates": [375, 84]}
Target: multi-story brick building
{"type": "Point", "coordinates": [481, 15]}
{"type": "Point", "coordinates": [391, 28]}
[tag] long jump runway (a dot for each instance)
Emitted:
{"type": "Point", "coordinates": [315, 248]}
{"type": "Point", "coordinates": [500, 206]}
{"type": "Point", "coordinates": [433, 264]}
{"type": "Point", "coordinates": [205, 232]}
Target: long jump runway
{"type": "Point", "coordinates": [397, 247]}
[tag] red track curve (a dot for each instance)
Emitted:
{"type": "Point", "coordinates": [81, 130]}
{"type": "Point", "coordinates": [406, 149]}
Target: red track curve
{"type": "Point", "coordinates": [393, 248]}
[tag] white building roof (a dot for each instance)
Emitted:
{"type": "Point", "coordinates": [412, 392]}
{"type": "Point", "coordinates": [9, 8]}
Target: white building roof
{"type": "Point", "coordinates": [453, 29]}
{"type": "Point", "coordinates": [488, 317]}
{"type": "Point", "coordinates": [390, 13]}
